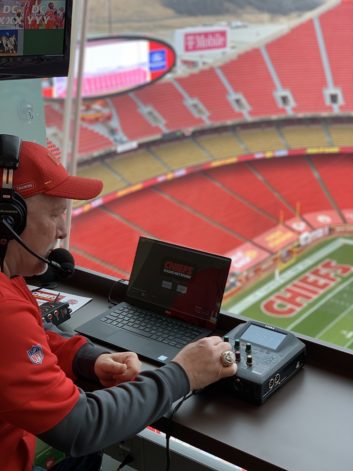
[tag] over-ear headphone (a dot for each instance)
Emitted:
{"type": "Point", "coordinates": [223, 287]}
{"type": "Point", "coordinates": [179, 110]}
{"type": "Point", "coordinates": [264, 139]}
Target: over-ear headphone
{"type": "Point", "coordinates": [13, 208]}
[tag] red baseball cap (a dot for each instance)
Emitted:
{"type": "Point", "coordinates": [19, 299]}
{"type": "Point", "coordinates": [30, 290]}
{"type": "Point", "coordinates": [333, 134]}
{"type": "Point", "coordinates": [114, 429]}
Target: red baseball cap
{"type": "Point", "coordinates": [39, 171]}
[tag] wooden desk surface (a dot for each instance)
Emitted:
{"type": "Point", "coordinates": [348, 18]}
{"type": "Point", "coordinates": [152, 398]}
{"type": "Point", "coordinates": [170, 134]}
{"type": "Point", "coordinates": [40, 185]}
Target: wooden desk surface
{"type": "Point", "coordinates": [305, 426]}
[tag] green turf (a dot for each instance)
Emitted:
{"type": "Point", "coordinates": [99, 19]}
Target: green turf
{"type": "Point", "coordinates": [327, 316]}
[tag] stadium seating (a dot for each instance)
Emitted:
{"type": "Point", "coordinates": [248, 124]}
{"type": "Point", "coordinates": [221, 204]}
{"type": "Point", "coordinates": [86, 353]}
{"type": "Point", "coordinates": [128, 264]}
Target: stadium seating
{"type": "Point", "coordinates": [98, 265]}
{"type": "Point", "coordinates": [154, 214]}
{"type": "Point", "coordinates": [243, 181]}
{"type": "Point", "coordinates": [137, 166]}
{"type": "Point", "coordinates": [244, 74]}
{"type": "Point", "coordinates": [53, 116]}
{"type": "Point", "coordinates": [170, 104]}
{"type": "Point", "coordinates": [341, 134]}
{"type": "Point", "coordinates": [220, 145]}
{"type": "Point", "coordinates": [303, 136]}
{"type": "Point", "coordinates": [296, 59]}
{"type": "Point", "coordinates": [221, 208]}
{"type": "Point", "coordinates": [112, 181]}
{"type": "Point", "coordinates": [92, 142]}
{"type": "Point", "coordinates": [180, 154]}
{"type": "Point", "coordinates": [105, 238]}
{"type": "Point", "coordinates": [217, 210]}
{"type": "Point", "coordinates": [198, 85]}
{"type": "Point", "coordinates": [294, 180]}
{"type": "Point", "coordinates": [336, 25]}
{"type": "Point", "coordinates": [261, 139]}
{"type": "Point", "coordinates": [336, 172]}
{"type": "Point", "coordinates": [210, 200]}
{"type": "Point", "coordinates": [133, 124]}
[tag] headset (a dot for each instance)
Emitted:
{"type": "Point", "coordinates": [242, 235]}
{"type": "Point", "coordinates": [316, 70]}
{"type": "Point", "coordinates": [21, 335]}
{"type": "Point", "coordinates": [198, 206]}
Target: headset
{"type": "Point", "coordinates": [13, 210]}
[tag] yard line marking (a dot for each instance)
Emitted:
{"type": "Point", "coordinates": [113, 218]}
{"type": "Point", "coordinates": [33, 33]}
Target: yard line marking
{"type": "Point", "coordinates": [331, 324]}
{"type": "Point", "coordinates": [324, 299]}
{"type": "Point", "coordinates": [347, 241]}
{"type": "Point", "coordinates": [349, 344]}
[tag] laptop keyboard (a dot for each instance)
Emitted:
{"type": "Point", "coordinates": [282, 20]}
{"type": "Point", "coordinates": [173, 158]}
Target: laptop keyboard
{"type": "Point", "coordinates": [151, 325]}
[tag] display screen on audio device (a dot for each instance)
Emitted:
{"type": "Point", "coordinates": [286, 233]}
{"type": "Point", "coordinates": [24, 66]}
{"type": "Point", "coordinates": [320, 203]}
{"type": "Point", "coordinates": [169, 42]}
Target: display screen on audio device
{"type": "Point", "coordinates": [263, 337]}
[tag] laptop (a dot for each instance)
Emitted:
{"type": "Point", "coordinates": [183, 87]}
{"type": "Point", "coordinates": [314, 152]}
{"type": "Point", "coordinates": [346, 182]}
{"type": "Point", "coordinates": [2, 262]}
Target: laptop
{"type": "Point", "coordinates": [173, 297]}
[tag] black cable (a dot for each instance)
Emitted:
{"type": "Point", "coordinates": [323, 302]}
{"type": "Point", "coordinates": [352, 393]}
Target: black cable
{"type": "Point", "coordinates": [3, 249]}
{"type": "Point", "coordinates": [170, 423]}
{"type": "Point", "coordinates": [20, 241]}
{"type": "Point", "coordinates": [128, 459]}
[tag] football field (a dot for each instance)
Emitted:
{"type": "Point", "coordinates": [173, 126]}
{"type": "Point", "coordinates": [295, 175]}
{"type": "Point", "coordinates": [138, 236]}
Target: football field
{"type": "Point", "coordinates": [313, 296]}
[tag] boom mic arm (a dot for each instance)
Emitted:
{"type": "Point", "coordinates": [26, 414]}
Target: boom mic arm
{"type": "Point", "coordinates": [60, 260]}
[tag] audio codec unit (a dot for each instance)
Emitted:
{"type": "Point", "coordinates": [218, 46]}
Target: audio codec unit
{"type": "Point", "coordinates": [267, 358]}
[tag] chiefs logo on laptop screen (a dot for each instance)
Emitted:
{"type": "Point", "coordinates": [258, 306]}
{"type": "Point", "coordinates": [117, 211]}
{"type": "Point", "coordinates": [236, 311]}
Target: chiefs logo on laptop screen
{"type": "Point", "coordinates": [180, 281]}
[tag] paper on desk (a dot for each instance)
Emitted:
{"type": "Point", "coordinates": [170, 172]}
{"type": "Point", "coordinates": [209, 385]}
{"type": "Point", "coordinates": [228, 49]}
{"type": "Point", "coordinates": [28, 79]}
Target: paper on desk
{"type": "Point", "coordinates": [44, 295]}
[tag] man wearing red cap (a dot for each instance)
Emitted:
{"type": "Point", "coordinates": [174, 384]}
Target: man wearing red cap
{"type": "Point", "coordinates": [39, 368]}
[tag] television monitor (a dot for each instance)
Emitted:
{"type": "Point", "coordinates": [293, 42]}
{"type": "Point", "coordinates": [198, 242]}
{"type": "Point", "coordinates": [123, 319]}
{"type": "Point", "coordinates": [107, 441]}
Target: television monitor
{"type": "Point", "coordinates": [34, 38]}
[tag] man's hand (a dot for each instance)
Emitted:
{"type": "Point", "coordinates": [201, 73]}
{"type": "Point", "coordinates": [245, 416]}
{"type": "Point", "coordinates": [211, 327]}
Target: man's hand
{"type": "Point", "coordinates": [115, 368]}
{"type": "Point", "coordinates": [202, 363]}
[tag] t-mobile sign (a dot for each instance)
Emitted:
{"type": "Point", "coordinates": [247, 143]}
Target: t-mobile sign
{"type": "Point", "coordinates": [194, 42]}
{"type": "Point", "coordinates": [199, 40]}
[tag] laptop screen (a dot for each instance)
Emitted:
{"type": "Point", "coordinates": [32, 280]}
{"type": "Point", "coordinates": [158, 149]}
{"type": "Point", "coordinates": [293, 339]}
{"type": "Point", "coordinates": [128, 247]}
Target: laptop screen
{"type": "Point", "coordinates": [178, 281]}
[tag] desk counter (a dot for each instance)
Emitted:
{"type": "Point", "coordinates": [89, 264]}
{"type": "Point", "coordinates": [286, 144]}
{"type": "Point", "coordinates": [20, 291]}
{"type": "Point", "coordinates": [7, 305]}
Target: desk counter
{"type": "Point", "coordinates": [305, 426]}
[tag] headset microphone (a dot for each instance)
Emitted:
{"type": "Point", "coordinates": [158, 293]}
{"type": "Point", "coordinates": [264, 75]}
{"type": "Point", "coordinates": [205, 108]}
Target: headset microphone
{"type": "Point", "coordinates": [60, 259]}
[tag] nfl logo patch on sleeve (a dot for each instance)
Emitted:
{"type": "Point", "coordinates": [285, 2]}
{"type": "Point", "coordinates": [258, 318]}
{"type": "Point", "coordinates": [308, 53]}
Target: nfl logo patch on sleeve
{"type": "Point", "coordinates": [35, 354]}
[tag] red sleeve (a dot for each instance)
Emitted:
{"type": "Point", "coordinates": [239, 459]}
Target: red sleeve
{"type": "Point", "coordinates": [35, 392]}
